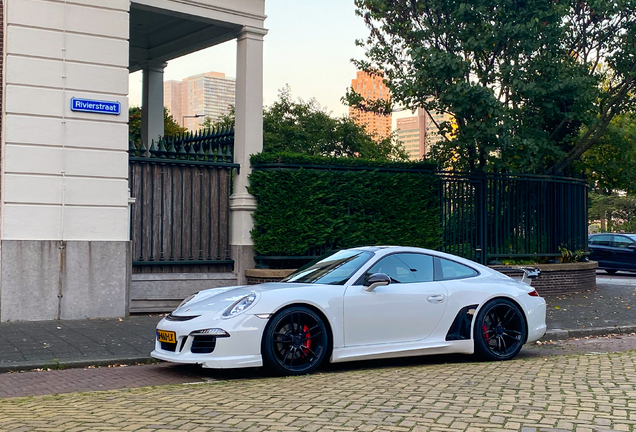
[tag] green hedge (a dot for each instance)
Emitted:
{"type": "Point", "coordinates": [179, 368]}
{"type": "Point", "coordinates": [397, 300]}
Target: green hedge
{"type": "Point", "coordinates": [301, 208]}
{"type": "Point", "coordinates": [301, 159]}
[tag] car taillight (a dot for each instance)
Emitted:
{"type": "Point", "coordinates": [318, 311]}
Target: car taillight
{"type": "Point", "coordinates": [533, 293]}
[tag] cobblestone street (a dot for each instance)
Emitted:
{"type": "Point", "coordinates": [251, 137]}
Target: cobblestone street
{"type": "Point", "coordinates": [537, 393]}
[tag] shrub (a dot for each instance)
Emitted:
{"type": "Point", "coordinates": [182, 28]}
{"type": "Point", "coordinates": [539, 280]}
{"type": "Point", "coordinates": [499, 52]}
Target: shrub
{"type": "Point", "coordinates": [301, 207]}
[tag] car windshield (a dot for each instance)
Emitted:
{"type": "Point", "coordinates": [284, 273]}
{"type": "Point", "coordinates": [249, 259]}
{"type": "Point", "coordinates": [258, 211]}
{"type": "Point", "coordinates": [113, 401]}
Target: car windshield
{"type": "Point", "coordinates": [335, 269]}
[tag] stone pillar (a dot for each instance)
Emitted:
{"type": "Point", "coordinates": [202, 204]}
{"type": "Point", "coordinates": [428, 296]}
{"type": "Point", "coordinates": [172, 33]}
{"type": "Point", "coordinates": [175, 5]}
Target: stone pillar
{"type": "Point", "coordinates": [152, 102]}
{"type": "Point", "coordinates": [248, 140]}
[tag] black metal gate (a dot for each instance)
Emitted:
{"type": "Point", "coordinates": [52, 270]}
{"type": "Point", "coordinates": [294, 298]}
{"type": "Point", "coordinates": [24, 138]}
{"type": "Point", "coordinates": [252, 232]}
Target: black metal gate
{"type": "Point", "coordinates": [492, 216]}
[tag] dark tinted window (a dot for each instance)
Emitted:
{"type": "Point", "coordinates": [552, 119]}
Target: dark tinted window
{"type": "Point", "coordinates": [622, 242]}
{"type": "Point", "coordinates": [601, 240]}
{"type": "Point", "coordinates": [447, 269]}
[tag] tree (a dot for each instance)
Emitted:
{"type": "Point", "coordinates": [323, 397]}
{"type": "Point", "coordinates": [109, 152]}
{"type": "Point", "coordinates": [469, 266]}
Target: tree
{"type": "Point", "coordinates": [531, 84]}
{"type": "Point", "coordinates": [613, 212]}
{"type": "Point", "coordinates": [305, 127]}
{"type": "Point", "coordinates": [610, 164]}
{"type": "Point", "coordinates": [170, 126]}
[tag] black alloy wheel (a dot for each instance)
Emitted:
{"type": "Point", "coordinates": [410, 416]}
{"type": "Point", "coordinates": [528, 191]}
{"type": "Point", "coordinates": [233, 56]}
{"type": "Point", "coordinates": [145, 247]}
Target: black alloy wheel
{"type": "Point", "coordinates": [500, 330]}
{"type": "Point", "coordinates": [295, 342]}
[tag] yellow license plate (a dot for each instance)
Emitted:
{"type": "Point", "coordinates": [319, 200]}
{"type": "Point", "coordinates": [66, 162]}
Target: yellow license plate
{"type": "Point", "coordinates": [166, 336]}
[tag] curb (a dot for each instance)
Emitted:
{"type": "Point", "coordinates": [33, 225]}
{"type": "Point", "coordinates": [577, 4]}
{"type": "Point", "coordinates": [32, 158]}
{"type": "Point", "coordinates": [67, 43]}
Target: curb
{"type": "Point", "coordinates": [560, 334]}
{"type": "Point", "coordinates": [551, 334]}
{"type": "Point", "coordinates": [68, 364]}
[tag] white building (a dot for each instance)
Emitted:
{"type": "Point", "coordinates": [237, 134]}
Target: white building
{"type": "Point", "coordinates": [64, 226]}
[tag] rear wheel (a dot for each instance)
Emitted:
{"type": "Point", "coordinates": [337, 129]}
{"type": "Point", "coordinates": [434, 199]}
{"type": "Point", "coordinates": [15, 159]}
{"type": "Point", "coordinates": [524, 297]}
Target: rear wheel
{"type": "Point", "coordinates": [500, 330]}
{"type": "Point", "coordinates": [295, 342]}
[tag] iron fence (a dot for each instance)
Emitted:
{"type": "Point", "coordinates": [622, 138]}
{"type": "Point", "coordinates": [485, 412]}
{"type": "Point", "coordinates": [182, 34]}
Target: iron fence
{"type": "Point", "coordinates": [489, 216]}
{"type": "Point", "coordinates": [180, 218]}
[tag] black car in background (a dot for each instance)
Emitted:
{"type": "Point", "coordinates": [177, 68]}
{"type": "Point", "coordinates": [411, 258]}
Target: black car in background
{"type": "Point", "coordinates": [613, 252]}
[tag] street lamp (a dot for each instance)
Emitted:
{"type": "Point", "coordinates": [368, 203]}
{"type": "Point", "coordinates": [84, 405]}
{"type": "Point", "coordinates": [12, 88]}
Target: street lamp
{"type": "Point", "coordinates": [193, 116]}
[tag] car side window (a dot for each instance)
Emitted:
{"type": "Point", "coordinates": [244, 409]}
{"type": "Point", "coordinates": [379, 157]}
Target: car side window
{"type": "Point", "coordinates": [447, 270]}
{"type": "Point", "coordinates": [622, 242]}
{"type": "Point", "coordinates": [395, 268]}
{"type": "Point", "coordinates": [420, 265]}
{"type": "Point", "coordinates": [601, 240]}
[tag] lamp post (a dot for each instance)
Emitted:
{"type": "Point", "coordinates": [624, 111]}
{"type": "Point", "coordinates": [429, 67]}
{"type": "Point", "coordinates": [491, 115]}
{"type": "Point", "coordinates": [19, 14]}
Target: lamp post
{"type": "Point", "coordinates": [192, 116]}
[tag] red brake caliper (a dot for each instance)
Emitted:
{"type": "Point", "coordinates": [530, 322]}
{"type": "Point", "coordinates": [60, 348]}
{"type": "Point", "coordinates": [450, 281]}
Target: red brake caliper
{"type": "Point", "coordinates": [486, 332]}
{"type": "Point", "coordinates": [307, 343]}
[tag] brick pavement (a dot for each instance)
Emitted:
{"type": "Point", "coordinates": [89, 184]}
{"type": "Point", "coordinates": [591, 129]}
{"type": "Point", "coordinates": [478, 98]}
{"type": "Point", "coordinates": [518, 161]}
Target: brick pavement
{"type": "Point", "coordinates": [562, 393]}
{"type": "Point", "coordinates": [94, 379]}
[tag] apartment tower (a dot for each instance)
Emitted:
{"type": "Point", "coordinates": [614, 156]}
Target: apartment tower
{"type": "Point", "coordinates": [371, 87]}
{"type": "Point", "coordinates": [193, 99]}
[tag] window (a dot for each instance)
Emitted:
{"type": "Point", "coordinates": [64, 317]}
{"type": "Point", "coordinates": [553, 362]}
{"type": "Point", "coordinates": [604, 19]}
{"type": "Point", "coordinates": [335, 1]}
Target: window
{"type": "Point", "coordinates": [447, 269]}
{"type": "Point", "coordinates": [420, 265]}
{"type": "Point", "coordinates": [395, 268]}
{"type": "Point", "coordinates": [622, 242]}
{"type": "Point", "coordinates": [601, 240]}
{"type": "Point", "coordinates": [334, 269]}
{"type": "Point", "coordinates": [405, 268]}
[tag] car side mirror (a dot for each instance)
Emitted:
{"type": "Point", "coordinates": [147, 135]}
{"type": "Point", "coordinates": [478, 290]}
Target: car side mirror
{"type": "Point", "coordinates": [376, 280]}
{"type": "Point", "coordinates": [631, 246]}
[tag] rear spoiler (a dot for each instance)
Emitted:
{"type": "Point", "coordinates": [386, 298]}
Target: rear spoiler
{"type": "Point", "coordinates": [528, 274]}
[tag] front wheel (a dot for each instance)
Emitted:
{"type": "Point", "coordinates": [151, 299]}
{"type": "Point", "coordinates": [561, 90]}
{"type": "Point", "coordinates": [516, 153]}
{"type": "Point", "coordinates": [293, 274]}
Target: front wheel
{"type": "Point", "coordinates": [500, 330]}
{"type": "Point", "coordinates": [611, 271]}
{"type": "Point", "coordinates": [295, 342]}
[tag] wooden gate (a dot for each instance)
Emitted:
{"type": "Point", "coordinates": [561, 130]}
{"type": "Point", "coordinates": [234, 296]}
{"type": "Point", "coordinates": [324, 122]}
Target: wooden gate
{"type": "Point", "coordinates": [180, 218]}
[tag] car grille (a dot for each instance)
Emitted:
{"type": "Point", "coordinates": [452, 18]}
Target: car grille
{"type": "Point", "coordinates": [203, 344]}
{"type": "Point", "coordinates": [171, 317]}
{"type": "Point", "coordinates": [168, 346]}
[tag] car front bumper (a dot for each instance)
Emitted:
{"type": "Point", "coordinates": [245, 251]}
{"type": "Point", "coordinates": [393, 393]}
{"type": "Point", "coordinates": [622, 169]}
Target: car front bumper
{"type": "Point", "coordinates": [241, 349]}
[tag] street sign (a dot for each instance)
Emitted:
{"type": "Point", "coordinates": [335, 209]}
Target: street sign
{"type": "Point", "coordinates": [95, 106]}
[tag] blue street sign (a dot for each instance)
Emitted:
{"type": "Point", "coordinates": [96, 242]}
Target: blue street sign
{"type": "Point", "coordinates": [94, 106]}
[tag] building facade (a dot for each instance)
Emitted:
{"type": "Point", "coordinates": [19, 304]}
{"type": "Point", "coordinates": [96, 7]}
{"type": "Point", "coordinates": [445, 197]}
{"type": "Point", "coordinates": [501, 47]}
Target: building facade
{"type": "Point", "coordinates": [372, 88]}
{"type": "Point", "coordinates": [64, 203]}
{"type": "Point", "coordinates": [420, 132]}
{"type": "Point", "coordinates": [194, 98]}
{"type": "Point", "coordinates": [411, 132]}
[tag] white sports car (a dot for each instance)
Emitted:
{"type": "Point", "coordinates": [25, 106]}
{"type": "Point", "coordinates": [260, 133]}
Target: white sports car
{"type": "Point", "coordinates": [355, 304]}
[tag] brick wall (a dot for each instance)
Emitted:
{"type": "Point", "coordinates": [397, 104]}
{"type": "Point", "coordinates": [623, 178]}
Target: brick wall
{"type": "Point", "coordinates": [258, 276]}
{"type": "Point", "coordinates": [557, 279]}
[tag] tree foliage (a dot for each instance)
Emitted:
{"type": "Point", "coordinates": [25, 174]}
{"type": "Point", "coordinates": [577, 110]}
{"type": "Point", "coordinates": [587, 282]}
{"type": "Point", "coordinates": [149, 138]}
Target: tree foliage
{"type": "Point", "coordinates": [613, 213]}
{"type": "Point", "coordinates": [611, 164]}
{"type": "Point", "coordinates": [299, 126]}
{"type": "Point", "coordinates": [170, 126]}
{"type": "Point", "coordinates": [531, 84]}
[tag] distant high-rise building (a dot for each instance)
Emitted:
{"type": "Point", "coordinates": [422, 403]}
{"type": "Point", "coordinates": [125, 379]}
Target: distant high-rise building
{"type": "Point", "coordinates": [371, 87]}
{"type": "Point", "coordinates": [205, 95]}
{"type": "Point", "coordinates": [419, 133]}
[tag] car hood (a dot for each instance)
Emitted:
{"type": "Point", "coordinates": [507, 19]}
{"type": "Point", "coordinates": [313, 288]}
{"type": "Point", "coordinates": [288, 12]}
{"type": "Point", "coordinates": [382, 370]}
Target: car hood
{"type": "Point", "coordinates": [217, 300]}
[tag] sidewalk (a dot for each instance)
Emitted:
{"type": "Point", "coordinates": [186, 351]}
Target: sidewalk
{"type": "Point", "coordinates": [60, 344]}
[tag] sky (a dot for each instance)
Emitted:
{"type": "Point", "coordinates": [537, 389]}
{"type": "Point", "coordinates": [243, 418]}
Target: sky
{"type": "Point", "coordinates": [309, 46]}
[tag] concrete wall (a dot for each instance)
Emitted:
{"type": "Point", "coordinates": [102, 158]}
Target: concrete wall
{"type": "Point", "coordinates": [243, 12]}
{"type": "Point", "coordinates": [64, 216]}
{"type": "Point", "coordinates": [43, 280]}
{"type": "Point", "coordinates": [162, 292]}
{"type": "Point", "coordinates": [64, 172]}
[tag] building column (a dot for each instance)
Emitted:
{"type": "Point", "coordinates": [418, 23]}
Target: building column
{"type": "Point", "coordinates": [152, 102]}
{"type": "Point", "coordinates": [248, 139]}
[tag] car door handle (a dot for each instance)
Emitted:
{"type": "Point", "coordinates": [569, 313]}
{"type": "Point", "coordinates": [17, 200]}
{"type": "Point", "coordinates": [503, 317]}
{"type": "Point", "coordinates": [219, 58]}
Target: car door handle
{"type": "Point", "coordinates": [436, 298]}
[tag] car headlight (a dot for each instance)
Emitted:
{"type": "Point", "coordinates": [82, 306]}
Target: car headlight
{"type": "Point", "coordinates": [240, 305]}
{"type": "Point", "coordinates": [187, 299]}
